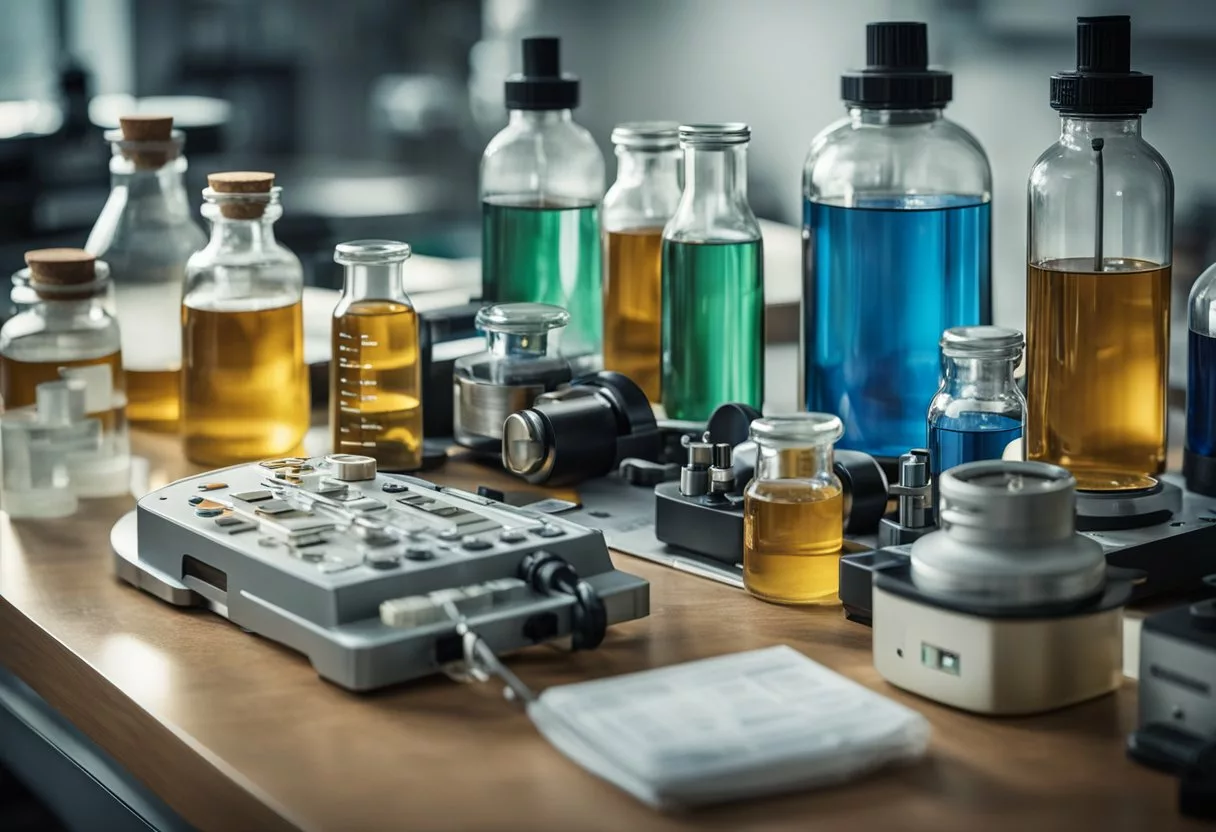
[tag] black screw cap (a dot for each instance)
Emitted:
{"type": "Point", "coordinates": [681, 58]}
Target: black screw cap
{"type": "Point", "coordinates": [542, 85]}
{"type": "Point", "coordinates": [1103, 83]}
{"type": "Point", "coordinates": [897, 75]}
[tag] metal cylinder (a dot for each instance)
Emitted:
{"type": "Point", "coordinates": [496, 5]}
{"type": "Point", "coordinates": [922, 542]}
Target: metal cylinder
{"type": "Point", "coordinates": [352, 467]}
{"type": "Point", "coordinates": [914, 473]}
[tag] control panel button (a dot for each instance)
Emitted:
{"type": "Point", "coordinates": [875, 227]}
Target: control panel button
{"type": "Point", "coordinates": [512, 536]}
{"type": "Point", "coordinates": [195, 500]}
{"type": "Point", "coordinates": [549, 531]}
{"type": "Point", "coordinates": [275, 507]}
{"type": "Point", "coordinates": [352, 467]}
{"type": "Point", "coordinates": [382, 561]}
{"type": "Point", "coordinates": [238, 528]}
{"type": "Point", "coordinates": [312, 555]}
{"type": "Point", "coordinates": [366, 504]}
{"type": "Point", "coordinates": [252, 496]}
{"type": "Point", "coordinates": [446, 511]}
{"type": "Point", "coordinates": [212, 486]}
{"type": "Point", "coordinates": [450, 535]}
{"type": "Point", "coordinates": [394, 487]}
{"type": "Point", "coordinates": [476, 544]}
{"type": "Point", "coordinates": [230, 520]}
{"type": "Point", "coordinates": [209, 512]}
{"type": "Point", "coordinates": [420, 553]}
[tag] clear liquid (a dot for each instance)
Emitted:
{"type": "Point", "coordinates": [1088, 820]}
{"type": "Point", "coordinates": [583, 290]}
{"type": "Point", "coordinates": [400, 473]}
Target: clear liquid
{"type": "Point", "coordinates": [375, 385]}
{"type": "Point", "coordinates": [1201, 394]}
{"type": "Point", "coordinates": [882, 282]}
{"type": "Point", "coordinates": [1097, 352]}
{"type": "Point", "coordinates": [954, 440]}
{"type": "Point", "coordinates": [792, 534]}
{"type": "Point", "coordinates": [244, 384]}
{"type": "Point", "coordinates": [633, 306]}
{"type": "Point", "coordinates": [713, 327]}
{"type": "Point", "coordinates": [546, 252]}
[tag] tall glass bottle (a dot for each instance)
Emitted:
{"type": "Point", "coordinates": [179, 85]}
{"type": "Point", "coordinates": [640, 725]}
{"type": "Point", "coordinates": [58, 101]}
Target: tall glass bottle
{"type": "Point", "coordinates": [244, 381]}
{"type": "Point", "coordinates": [145, 233]}
{"type": "Point", "coordinates": [542, 179]}
{"type": "Point", "coordinates": [1199, 458]}
{"type": "Point", "coordinates": [1101, 219]}
{"type": "Point", "coordinates": [896, 229]}
{"type": "Point", "coordinates": [713, 280]}
{"type": "Point", "coordinates": [375, 376]}
{"type": "Point", "coordinates": [636, 207]}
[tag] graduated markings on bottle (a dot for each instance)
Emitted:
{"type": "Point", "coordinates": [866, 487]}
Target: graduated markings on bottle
{"type": "Point", "coordinates": [351, 399]}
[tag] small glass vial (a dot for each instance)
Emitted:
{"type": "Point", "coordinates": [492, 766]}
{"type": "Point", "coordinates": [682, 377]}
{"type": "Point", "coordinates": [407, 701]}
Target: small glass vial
{"type": "Point", "coordinates": [713, 280]}
{"type": "Point", "coordinates": [146, 234]}
{"type": "Point", "coordinates": [375, 377]}
{"type": "Point", "coordinates": [978, 409]}
{"type": "Point", "coordinates": [1199, 457]}
{"type": "Point", "coordinates": [244, 381]}
{"type": "Point", "coordinates": [636, 208]}
{"type": "Point", "coordinates": [521, 361]}
{"type": "Point", "coordinates": [793, 511]}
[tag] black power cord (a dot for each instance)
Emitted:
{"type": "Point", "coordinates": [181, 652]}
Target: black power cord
{"type": "Point", "coordinates": [551, 574]}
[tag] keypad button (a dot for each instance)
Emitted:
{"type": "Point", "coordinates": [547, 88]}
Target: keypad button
{"type": "Point", "coordinates": [209, 512]}
{"type": "Point", "coordinates": [275, 507]}
{"type": "Point", "coordinates": [230, 520]}
{"type": "Point", "coordinates": [252, 496]}
{"type": "Point", "coordinates": [512, 536]}
{"type": "Point", "coordinates": [420, 553]}
{"type": "Point", "coordinates": [549, 531]}
{"type": "Point", "coordinates": [476, 544]}
{"type": "Point", "coordinates": [394, 487]}
{"type": "Point", "coordinates": [195, 500]}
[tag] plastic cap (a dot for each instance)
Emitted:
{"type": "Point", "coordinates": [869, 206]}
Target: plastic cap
{"type": "Point", "coordinates": [521, 318]}
{"type": "Point", "coordinates": [1103, 83]}
{"type": "Point", "coordinates": [542, 85]}
{"type": "Point", "coordinates": [897, 74]}
{"type": "Point", "coordinates": [897, 46]}
{"type": "Point", "coordinates": [993, 342]}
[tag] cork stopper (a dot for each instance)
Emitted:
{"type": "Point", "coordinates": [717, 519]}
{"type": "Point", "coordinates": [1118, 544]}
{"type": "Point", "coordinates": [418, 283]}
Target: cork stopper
{"type": "Point", "coordinates": [146, 128]}
{"type": "Point", "coordinates": [242, 182]}
{"type": "Point", "coordinates": [54, 270]}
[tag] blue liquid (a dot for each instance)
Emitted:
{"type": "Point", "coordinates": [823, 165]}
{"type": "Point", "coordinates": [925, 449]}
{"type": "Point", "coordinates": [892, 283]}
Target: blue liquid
{"type": "Point", "coordinates": [882, 283]}
{"type": "Point", "coordinates": [954, 440]}
{"type": "Point", "coordinates": [1201, 394]}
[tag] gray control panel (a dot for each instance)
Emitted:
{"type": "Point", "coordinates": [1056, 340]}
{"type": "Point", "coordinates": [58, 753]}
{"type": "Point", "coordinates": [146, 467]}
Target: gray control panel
{"type": "Point", "coordinates": [367, 574]}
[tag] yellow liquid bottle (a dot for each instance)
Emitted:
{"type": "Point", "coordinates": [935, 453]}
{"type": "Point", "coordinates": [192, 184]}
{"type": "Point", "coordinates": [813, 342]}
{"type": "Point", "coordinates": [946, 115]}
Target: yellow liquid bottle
{"type": "Point", "coordinates": [633, 306]}
{"type": "Point", "coordinates": [19, 381]}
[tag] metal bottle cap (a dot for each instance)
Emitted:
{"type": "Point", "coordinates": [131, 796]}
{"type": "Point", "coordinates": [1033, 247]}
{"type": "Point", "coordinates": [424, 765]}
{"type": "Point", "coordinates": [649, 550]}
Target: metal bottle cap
{"type": "Point", "coordinates": [523, 443]}
{"type": "Point", "coordinates": [352, 467]}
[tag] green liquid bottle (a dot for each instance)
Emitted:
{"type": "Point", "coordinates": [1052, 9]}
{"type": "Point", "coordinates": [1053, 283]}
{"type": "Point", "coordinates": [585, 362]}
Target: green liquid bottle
{"type": "Point", "coordinates": [713, 280]}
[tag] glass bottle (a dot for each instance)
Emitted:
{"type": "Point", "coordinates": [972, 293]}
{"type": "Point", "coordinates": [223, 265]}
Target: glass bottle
{"type": "Point", "coordinates": [1199, 456]}
{"type": "Point", "coordinates": [793, 511]}
{"type": "Point", "coordinates": [244, 381]}
{"type": "Point", "coordinates": [145, 233]}
{"type": "Point", "coordinates": [978, 410]}
{"type": "Point", "coordinates": [542, 179]}
{"type": "Point", "coordinates": [896, 243]}
{"type": "Point", "coordinates": [713, 280]}
{"type": "Point", "coordinates": [521, 361]}
{"type": "Point", "coordinates": [636, 208]}
{"type": "Point", "coordinates": [1101, 219]}
{"type": "Point", "coordinates": [375, 376]}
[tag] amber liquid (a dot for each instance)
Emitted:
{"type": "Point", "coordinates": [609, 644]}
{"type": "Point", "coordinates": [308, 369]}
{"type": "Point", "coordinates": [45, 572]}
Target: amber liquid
{"type": "Point", "coordinates": [792, 534]}
{"type": "Point", "coordinates": [244, 384]}
{"type": "Point", "coordinates": [19, 381]}
{"type": "Point", "coordinates": [633, 306]}
{"type": "Point", "coordinates": [375, 385]}
{"type": "Point", "coordinates": [1096, 364]}
{"type": "Point", "coordinates": [153, 398]}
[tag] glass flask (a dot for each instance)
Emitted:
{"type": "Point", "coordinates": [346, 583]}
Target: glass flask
{"type": "Point", "coordinates": [521, 361]}
{"type": "Point", "coordinates": [636, 208]}
{"type": "Point", "coordinates": [375, 376]}
{"type": "Point", "coordinates": [713, 280]}
{"type": "Point", "coordinates": [1199, 456]}
{"type": "Point", "coordinates": [978, 410]}
{"type": "Point", "coordinates": [793, 511]}
{"type": "Point", "coordinates": [896, 243]}
{"type": "Point", "coordinates": [1100, 240]}
{"type": "Point", "coordinates": [67, 333]}
{"type": "Point", "coordinates": [145, 233]}
{"type": "Point", "coordinates": [244, 381]}
{"type": "Point", "coordinates": [542, 179]}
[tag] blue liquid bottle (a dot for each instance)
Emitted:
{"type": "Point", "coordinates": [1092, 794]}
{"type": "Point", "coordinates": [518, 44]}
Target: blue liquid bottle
{"type": "Point", "coordinates": [896, 230]}
{"type": "Point", "coordinates": [1199, 458]}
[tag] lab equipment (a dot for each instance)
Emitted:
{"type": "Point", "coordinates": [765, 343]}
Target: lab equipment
{"type": "Point", "coordinates": [542, 179]}
{"type": "Point", "coordinates": [445, 336]}
{"type": "Point", "coordinates": [896, 228]}
{"type": "Point", "coordinates": [581, 431]}
{"type": "Point", "coordinates": [636, 208]}
{"type": "Point", "coordinates": [1199, 457]}
{"type": "Point", "coordinates": [520, 362]}
{"type": "Point", "coordinates": [914, 515]}
{"type": "Point", "coordinates": [145, 233]}
{"type": "Point", "coordinates": [1101, 217]}
{"type": "Point", "coordinates": [356, 568]}
{"type": "Point", "coordinates": [713, 280]}
{"type": "Point", "coordinates": [375, 378]}
{"type": "Point", "coordinates": [793, 512]}
{"type": "Point", "coordinates": [245, 384]}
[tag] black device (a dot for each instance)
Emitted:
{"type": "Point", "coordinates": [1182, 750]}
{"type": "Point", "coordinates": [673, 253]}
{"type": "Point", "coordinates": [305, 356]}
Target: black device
{"type": "Point", "coordinates": [444, 335]}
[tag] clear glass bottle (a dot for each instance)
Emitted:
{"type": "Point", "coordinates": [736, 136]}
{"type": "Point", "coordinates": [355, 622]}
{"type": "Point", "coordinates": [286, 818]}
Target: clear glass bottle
{"type": "Point", "coordinates": [521, 361]}
{"type": "Point", "coordinates": [713, 280]}
{"type": "Point", "coordinates": [1199, 456]}
{"type": "Point", "coordinates": [636, 208]}
{"type": "Point", "coordinates": [542, 179]}
{"type": "Point", "coordinates": [1100, 241]}
{"type": "Point", "coordinates": [978, 410]}
{"type": "Point", "coordinates": [793, 511]}
{"type": "Point", "coordinates": [146, 233]}
{"type": "Point", "coordinates": [244, 381]}
{"type": "Point", "coordinates": [896, 243]}
{"type": "Point", "coordinates": [375, 372]}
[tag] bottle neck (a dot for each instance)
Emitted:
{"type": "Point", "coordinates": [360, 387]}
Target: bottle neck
{"type": "Point", "coordinates": [716, 172]}
{"type": "Point", "coordinates": [242, 235]}
{"type": "Point", "coordinates": [540, 118]}
{"type": "Point", "coordinates": [166, 183]}
{"type": "Point", "coordinates": [638, 167]}
{"type": "Point", "coordinates": [779, 462]}
{"type": "Point", "coordinates": [62, 310]}
{"type": "Point", "coordinates": [862, 116]}
{"type": "Point", "coordinates": [375, 281]}
{"type": "Point", "coordinates": [978, 377]}
{"type": "Point", "coordinates": [1080, 130]}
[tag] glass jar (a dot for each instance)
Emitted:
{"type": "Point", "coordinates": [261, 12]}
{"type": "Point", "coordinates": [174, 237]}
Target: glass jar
{"type": "Point", "coordinates": [1100, 241]}
{"type": "Point", "coordinates": [375, 376]}
{"type": "Point", "coordinates": [1199, 457]}
{"type": "Point", "coordinates": [793, 511]}
{"type": "Point", "coordinates": [244, 382]}
{"type": "Point", "coordinates": [542, 179]}
{"type": "Point", "coordinates": [713, 280]}
{"type": "Point", "coordinates": [521, 361]}
{"type": "Point", "coordinates": [896, 229]}
{"type": "Point", "coordinates": [636, 208]}
{"type": "Point", "coordinates": [146, 234]}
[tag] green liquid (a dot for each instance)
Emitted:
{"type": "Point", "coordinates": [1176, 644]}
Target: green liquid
{"type": "Point", "coordinates": [546, 253]}
{"type": "Point", "coordinates": [713, 327]}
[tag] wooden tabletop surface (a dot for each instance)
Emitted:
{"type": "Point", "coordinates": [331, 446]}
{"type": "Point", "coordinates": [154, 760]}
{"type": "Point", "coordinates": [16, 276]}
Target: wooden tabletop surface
{"type": "Point", "coordinates": [235, 732]}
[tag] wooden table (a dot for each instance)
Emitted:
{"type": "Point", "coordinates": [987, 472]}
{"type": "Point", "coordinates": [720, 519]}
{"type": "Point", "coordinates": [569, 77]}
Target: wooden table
{"type": "Point", "coordinates": [235, 732]}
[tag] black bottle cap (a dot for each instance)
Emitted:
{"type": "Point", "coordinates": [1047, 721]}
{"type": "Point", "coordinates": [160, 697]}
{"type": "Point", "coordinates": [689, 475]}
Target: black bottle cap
{"type": "Point", "coordinates": [897, 74]}
{"type": "Point", "coordinates": [542, 85]}
{"type": "Point", "coordinates": [1103, 84]}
